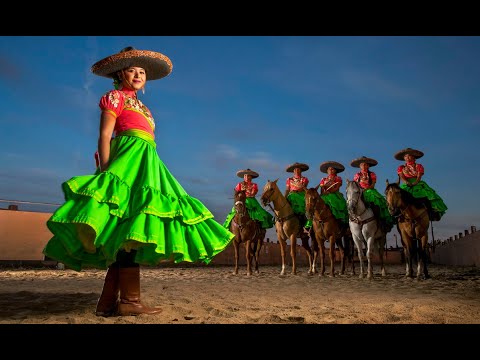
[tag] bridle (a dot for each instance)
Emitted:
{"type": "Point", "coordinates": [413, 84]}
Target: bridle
{"type": "Point", "coordinates": [242, 214]}
{"type": "Point", "coordinates": [309, 204]}
{"type": "Point", "coordinates": [266, 200]}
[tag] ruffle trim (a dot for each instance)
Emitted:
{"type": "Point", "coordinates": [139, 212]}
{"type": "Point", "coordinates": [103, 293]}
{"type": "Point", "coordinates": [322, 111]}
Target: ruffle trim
{"type": "Point", "coordinates": [108, 188]}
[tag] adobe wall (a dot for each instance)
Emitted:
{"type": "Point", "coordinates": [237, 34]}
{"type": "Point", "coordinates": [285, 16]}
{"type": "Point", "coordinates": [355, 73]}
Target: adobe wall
{"type": "Point", "coordinates": [23, 235]}
{"type": "Point", "coordinates": [462, 250]}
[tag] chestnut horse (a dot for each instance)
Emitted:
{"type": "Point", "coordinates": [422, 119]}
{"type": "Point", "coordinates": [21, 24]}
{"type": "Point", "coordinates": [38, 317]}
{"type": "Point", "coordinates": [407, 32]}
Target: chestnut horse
{"type": "Point", "coordinates": [246, 230]}
{"type": "Point", "coordinates": [287, 226]}
{"type": "Point", "coordinates": [412, 224]}
{"type": "Point", "coordinates": [327, 228]}
{"type": "Point", "coordinates": [364, 229]}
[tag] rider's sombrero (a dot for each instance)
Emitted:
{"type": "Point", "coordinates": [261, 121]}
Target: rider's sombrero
{"type": "Point", "coordinates": [302, 166]}
{"type": "Point", "coordinates": [363, 159]}
{"type": "Point", "coordinates": [156, 65]}
{"type": "Point", "coordinates": [336, 165]}
{"type": "Point", "coordinates": [417, 154]}
{"type": "Point", "coordinates": [241, 173]}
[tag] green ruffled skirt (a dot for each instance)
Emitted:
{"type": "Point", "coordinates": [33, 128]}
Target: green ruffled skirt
{"type": "Point", "coordinates": [135, 204]}
{"type": "Point", "coordinates": [297, 200]}
{"type": "Point", "coordinates": [423, 190]}
{"type": "Point", "coordinates": [256, 212]}
{"type": "Point", "coordinates": [373, 196]}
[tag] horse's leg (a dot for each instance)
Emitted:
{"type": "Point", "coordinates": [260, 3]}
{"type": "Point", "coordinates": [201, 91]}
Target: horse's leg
{"type": "Point", "coordinates": [293, 252]}
{"type": "Point", "coordinates": [258, 247]}
{"type": "Point", "coordinates": [370, 241]}
{"type": "Point", "coordinates": [331, 255]}
{"type": "Point", "coordinates": [408, 259]}
{"type": "Point", "coordinates": [321, 249]}
{"type": "Point", "coordinates": [305, 238]}
{"type": "Point", "coordinates": [283, 244]}
{"type": "Point", "coordinates": [235, 246]}
{"type": "Point", "coordinates": [315, 249]}
{"type": "Point", "coordinates": [351, 244]}
{"type": "Point", "coordinates": [381, 251]}
{"type": "Point", "coordinates": [341, 248]}
{"type": "Point", "coordinates": [248, 256]}
{"type": "Point", "coordinates": [423, 258]}
{"type": "Point", "coordinates": [356, 233]}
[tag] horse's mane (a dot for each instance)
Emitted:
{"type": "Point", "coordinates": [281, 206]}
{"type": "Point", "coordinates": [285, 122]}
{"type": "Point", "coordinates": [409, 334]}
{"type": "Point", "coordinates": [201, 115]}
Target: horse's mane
{"type": "Point", "coordinates": [406, 197]}
{"type": "Point", "coordinates": [236, 192]}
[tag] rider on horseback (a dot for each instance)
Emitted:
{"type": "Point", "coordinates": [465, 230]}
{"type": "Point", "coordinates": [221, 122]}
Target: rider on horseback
{"type": "Point", "coordinates": [295, 190]}
{"type": "Point", "coordinates": [367, 179]}
{"type": "Point", "coordinates": [329, 191]}
{"type": "Point", "coordinates": [411, 173]}
{"type": "Point", "coordinates": [255, 210]}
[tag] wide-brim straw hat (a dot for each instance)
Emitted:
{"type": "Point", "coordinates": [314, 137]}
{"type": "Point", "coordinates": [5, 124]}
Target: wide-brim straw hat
{"type": "Point", "coordinates": [417, 154]}
{"type": "Point", "coordinates": [302, 166]}
{"type": "Point", "coordinates": [363, 159]}
{"type": "Point", "coordinates": [336, 165]}
{"type": "Point", "coordinates": [156, 65]}
{"type": "Point", "coordinates": [241, 173]}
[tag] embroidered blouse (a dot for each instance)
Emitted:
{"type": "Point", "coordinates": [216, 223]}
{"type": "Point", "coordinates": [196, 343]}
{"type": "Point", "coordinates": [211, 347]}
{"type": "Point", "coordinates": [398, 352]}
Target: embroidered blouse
{"type": "Point", "coordinates": [411, 169]}
{"type": "Point", "coordinates": [295, 183]}
{"type": "Point", "coordinates": [329, 180]}
{"type": "Point", "coordinates": [364, 180]}
{"type": "Point", "coordinates": [251, 189]}
{"type": "Point", "coordinates": [129, 111]}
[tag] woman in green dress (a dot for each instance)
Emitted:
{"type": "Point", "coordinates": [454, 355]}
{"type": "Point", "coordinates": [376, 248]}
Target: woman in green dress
{"type": "Point", "coordinates": [131, 211]}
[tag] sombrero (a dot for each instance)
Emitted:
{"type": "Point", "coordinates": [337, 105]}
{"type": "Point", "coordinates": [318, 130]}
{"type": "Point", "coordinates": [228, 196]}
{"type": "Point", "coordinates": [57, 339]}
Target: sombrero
{"type": "Point", "coordinates": [363, 159]}
{"type": "Point", "coordinates": [302, 166]}
{"type": "Point", "coordinates": [156, 65]}
{"type": "Point", "coordinates": [240, 173]}
{"type": "Point", "coordinates": [417, 154]}
{"type": "Point", "coordinates": [337, 166]}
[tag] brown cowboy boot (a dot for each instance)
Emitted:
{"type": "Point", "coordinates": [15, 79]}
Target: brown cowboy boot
{"type": "Point", "coordinates": [107, 303]}
{"type": "Point", "coordinates": [130, 304]}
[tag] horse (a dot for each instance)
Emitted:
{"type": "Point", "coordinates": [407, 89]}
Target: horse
{"type": "Point", "coordinates": [246, 230]}
{"type": "Point", "coordinates": [365, 229]}
{"type": "Point", "coordinates": [412, 224]}
{"type": "Point", "coordinates": [287, 226]}
{"type": "Point", "coordinates": [327, 228]}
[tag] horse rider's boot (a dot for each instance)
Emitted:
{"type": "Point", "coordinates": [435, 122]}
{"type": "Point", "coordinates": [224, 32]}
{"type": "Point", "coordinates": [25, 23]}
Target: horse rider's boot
{"type": "Point", "coordinates": [107, 303]}
{"type": "Point", "coordinates": [130, 304]}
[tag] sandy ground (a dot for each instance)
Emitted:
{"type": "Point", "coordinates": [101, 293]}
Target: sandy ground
{"type": "Point", "coordinates": [213, 295]}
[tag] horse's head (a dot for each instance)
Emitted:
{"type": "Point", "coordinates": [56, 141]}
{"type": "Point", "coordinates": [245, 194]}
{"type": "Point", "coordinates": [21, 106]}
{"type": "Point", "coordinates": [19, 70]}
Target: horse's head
{"type": "Point", "coordinates": [354, 194]}
{"type": "Point", "coordinates": [393, 195]}
{"type": "Point", "coordinates": [240, 198]}
{"type": "Point", "coordinates": [312, 198]}
{"type": "Point", "coordinates": [268, 191]}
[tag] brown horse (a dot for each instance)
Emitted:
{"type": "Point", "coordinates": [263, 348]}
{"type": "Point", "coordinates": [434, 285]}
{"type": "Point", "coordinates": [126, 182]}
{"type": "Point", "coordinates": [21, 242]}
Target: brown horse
{"type": "Point", "coordinates": [246, 230]}
{"type": "Point", "coordinates": [287, 226]}
{"type": "Point", "coordinates": [327, 228]}
{"type": "Point", "coordinates": [412, 224]}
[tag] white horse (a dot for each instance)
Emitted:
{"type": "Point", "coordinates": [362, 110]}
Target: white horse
{"type": "Point", "coordinates": [364, 228]}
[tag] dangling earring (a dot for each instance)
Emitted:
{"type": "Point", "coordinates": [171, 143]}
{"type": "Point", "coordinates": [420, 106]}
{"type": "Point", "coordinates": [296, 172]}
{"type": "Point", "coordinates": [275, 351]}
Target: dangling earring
{"type": "Point", "coordinates": [143, 90]}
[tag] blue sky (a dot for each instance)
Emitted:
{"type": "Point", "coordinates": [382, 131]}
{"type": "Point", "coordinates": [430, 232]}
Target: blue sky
{"type": "Point", "coordinates": [259, 102]}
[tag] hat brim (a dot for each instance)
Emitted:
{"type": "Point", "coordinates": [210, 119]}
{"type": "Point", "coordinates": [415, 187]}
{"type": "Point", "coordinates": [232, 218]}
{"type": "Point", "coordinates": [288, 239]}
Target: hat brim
{"type": "Point", "coordinates": [303, 167]}
{"type": "Point", "coordinates": [369, 161]}
{"type": "Point", "coordinates": [242, 173]}
{"type": "Point", "coordinates": [156, 65]}
{"type": "Point", "coordinates": [336, 165]}
{"type": "Point", "coordinates": [417, 154]}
